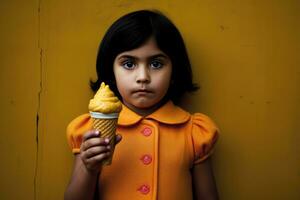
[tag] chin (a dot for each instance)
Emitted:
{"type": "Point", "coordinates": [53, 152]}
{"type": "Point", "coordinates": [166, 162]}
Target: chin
{"type": "Point", "coordinates": [144, 104]}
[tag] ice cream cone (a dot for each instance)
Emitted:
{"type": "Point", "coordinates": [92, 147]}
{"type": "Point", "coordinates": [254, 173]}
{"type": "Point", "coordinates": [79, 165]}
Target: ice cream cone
{"type": "Point", "coordinates": [107, 129]}
{"type": "Point", "coordinates": [104, 109]}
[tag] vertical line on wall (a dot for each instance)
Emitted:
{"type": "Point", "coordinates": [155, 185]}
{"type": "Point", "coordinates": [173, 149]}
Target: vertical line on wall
{"type": "Point", "coordinates": [39, 102]}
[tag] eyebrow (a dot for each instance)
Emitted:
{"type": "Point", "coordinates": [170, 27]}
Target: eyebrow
{"type": "Point", "coordinates": [150, 57]}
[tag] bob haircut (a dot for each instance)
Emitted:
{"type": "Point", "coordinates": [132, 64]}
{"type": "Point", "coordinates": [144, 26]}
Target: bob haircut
{"type": "Point", "coordinates": [132, 31]}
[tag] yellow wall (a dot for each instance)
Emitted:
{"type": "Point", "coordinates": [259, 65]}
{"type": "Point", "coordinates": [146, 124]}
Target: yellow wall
{"type": "Point", "coordinates": [245, 55]}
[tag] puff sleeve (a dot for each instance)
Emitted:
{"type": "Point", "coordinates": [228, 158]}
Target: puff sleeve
{"type": "Point", "coordinates": [204, 135]}
{"type": "Point", "coordinates": [75, 130]}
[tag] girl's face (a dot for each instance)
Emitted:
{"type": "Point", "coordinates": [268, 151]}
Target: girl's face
{"type": "Point", "coordinates": [143, 76]}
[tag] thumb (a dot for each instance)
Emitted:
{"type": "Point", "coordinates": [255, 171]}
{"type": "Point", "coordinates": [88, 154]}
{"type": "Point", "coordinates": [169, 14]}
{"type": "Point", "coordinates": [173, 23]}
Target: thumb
{"type": "Point", "coordinates": [118, 138]}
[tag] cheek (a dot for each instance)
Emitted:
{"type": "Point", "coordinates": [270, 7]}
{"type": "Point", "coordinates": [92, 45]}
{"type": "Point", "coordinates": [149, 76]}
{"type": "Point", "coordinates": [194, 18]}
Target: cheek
{"type": "Point", "coordinates": [122, 82]}
{"type": "Point", "coordinates": [118, 75]}
{"type": "Point", "coordinates": [163, 82]}
{"type": "Point", "coordinates": [166, 84]}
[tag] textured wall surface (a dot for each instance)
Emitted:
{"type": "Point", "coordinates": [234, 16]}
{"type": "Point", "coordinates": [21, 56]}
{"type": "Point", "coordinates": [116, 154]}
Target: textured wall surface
{"type": "Point", "coordinates": [245, 56]}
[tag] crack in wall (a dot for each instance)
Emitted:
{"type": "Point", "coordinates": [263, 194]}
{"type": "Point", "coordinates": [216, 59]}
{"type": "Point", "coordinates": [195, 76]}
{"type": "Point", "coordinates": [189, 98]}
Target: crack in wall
{"type": "Point", "coordinates": [37, 125]}
{"type": "Point", "coordinates": [38, 103]}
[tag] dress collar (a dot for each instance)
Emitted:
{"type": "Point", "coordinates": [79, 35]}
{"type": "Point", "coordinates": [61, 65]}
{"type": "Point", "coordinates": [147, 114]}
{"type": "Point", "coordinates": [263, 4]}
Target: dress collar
{"type": "Point", "coordinates": [167, 114]}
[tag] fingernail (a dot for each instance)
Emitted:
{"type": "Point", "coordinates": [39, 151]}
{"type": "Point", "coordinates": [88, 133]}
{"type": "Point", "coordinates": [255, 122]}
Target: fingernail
{"type": "Point", "coordinates": [108, 147]}
{"type": "Point", "coordinates": [106, 140]}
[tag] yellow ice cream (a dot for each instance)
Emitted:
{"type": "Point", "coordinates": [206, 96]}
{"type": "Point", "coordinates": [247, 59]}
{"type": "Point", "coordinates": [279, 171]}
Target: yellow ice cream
{"type": "Point", "coordinates": [105, 101]}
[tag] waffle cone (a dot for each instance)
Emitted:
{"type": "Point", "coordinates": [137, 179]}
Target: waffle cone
{"type": "Point", "coordinates": [107, 129]}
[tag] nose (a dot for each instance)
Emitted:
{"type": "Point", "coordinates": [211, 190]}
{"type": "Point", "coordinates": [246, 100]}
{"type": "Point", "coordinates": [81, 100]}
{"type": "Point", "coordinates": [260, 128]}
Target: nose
{"type": "Point", "coordinates": [143, 75]}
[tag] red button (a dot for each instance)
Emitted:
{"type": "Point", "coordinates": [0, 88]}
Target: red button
{"type": "Point", "coordinates": [146, 132]}
{"type": "Point", "coordinates": [144, 189]}
{"type": "Point", "coordinates": [146, 159]}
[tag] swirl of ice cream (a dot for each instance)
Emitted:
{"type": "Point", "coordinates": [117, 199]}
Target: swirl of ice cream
{"type": "Point", "coordinates": [105, 101]}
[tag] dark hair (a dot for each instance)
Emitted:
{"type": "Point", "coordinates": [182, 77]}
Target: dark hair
{"type": "Point", "coordinates": [133, 30]}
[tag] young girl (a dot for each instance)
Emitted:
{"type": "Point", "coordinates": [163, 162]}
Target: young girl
{"type": "Point", "coordinates": [164, 151]}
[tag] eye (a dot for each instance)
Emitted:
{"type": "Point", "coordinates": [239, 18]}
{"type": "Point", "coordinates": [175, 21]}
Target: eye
{"type": "Point", "coordinates": [128, 64]}
{"type": "Point", "coordinates": [156, 64]}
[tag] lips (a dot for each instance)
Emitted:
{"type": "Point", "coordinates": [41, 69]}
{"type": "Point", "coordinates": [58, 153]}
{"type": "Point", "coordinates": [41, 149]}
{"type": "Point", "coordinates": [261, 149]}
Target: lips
{"type": "Point", "coordinates": [142, 91]}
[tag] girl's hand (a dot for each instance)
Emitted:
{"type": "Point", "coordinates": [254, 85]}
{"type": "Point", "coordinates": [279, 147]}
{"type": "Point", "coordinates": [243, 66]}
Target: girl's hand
{"type": "Point", "coordinates": [94, 150]}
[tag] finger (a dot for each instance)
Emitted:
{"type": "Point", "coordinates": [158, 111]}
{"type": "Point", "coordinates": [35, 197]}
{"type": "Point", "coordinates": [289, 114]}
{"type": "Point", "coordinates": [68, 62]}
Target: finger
{"type": "Point", "coordinates": [90, 134]}
{"type": "Point", "coordinates": [95, 151]}
{"type": "Point", "coordinates": [118, 138]}
{"type": "Point", "coordinates": [98, 158]}
{"type": "Point", "coordinates": [91, 142]}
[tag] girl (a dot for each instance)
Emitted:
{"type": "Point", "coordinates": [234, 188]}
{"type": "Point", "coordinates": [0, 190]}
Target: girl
{"type": "Point", "coordinates": [164, 151]}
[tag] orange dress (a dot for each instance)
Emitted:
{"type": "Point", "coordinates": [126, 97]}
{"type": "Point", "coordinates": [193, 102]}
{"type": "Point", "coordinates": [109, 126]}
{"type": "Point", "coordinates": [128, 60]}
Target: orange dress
{"type": "Point", "coordinates": [154, 158]}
